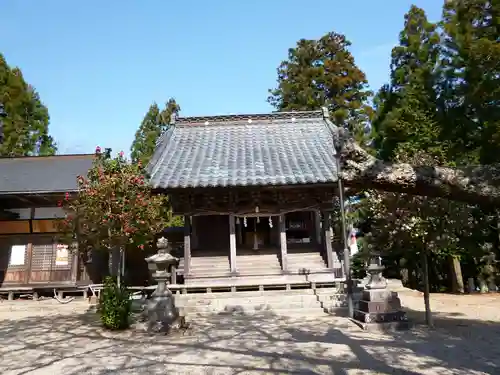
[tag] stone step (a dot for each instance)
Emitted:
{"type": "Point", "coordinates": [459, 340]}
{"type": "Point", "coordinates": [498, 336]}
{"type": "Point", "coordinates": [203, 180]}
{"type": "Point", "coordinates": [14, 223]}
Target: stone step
{"type": "Point", "coordinates": [244, 264]}
{"type": "Point", "coordinates": [239, 267]}
{"type": "Point", "coordinates": [279, 312]}
{"type": "Point", "coordinates": [254, 293]}
{"type": "Point", "coordinates": [308, 256]}
{"type": "Point", "coordinates": [304, 256]}
{"type": "Point", "coordinates": [251, 300]}
{"type": "Point", "coordinates": [317, 259]}
{"type": "Point", "coordinates": [209, 269]}
{"type": "Point", "coordinates": [254, 280]}
{"type": "Point", "coordinates": [325, 297]}
{"type": "Point", "coordinates": [257, 305]}
{"type": "Point", "coordinates": [306, 264]}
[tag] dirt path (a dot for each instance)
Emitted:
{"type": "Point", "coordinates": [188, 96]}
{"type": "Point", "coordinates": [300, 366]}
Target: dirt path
{"type": "Point", "coordinates": [49, 338]}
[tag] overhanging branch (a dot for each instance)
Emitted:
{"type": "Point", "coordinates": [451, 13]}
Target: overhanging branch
{"type": "Point", "coordinates": [475, 184]}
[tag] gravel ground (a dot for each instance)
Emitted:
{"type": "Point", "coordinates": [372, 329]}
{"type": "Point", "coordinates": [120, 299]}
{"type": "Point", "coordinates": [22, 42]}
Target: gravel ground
{"type": "Point", "coordinates": [50, 338]}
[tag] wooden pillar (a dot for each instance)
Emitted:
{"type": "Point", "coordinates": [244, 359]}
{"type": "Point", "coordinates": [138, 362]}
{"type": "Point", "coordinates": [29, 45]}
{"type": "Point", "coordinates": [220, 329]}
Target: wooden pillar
{"type": "Point", "coordinates": [232, 243]}
{"type": "Point", "coordinates": [194, 232]}
{"type": "Point", "coordinates": [328, 231]}
{"type": "Point", "coordinates": [239, 233]}
{"type": "Point", "coordinates": [187, 245]}
{"type": "Point", "coordinates": [283, 245]}
{"type": "Point", "coordinates": [28, 262]}
{"type": "Point", "coordinates": [173, 275]}
{"type": "Point", "coordinates": [317, 227]}
{"type": "Point", "coordinates": [255, 237]}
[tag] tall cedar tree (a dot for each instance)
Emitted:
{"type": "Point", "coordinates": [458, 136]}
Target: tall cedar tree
{"type": "Point", "coordinates": [472, 76]}
{"type": "Point", "coordinates": [321, 73]}
{"type": "Point", "coordinates": [26, 127]}
{"type": "Point", "coordinates": [471, 34]}
{"type": "Point", "coordinates": [408, 129]}
{"type": "Point", "coordinates": [406, 109]}
{"type": "Point", "coordinates": [155, 122]}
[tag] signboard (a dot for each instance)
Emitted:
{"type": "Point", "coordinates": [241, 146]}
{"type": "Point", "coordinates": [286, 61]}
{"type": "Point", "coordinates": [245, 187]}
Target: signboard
{"type": "Point", "coordinates": [62, 255]}
{"type": "Point", "coordinates": [17, 253]}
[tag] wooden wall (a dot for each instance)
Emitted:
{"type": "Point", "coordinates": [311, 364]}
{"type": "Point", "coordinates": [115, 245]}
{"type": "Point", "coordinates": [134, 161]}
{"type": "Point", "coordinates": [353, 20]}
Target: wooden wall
{"type": "Point", "coordinates": [40, 267]}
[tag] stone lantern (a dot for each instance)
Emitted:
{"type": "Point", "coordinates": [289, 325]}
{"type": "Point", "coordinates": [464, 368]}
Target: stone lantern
{"type": "Point", "coordinates": [160, 310]}
{"type": "Point", "coordinates": [379, 307]}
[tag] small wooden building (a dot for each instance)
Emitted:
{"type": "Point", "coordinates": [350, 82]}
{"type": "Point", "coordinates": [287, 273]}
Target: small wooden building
{"type": "Point", "coordinates": [30, 188]}
{"type": "Point", "coordinates": [256, 192]}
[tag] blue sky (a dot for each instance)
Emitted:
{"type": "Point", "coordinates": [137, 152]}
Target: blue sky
{"type": "Point", "coordinates": [98, 65]}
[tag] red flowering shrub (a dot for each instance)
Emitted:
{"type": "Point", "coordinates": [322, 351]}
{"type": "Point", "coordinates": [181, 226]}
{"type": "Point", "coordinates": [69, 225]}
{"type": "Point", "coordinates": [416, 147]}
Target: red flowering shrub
{"type": "Point", "coordinates": [114, 207]}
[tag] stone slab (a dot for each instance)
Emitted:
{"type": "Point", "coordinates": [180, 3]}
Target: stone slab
{"type": "Point", "coordinates": [368, 317]}
{"type": "Point", "coordinates": [378, 295]}
{"type": "Point", "coordinates": [383, 327]}
{"type": "Point", "coordinates": [380, 306]}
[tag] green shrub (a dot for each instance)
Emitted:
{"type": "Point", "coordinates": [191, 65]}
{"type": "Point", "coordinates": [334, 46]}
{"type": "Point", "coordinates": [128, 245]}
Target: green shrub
{"type": "Point", "coordinates": [358, 266]}
{"type": "Point", "coordinates": [114, 305]}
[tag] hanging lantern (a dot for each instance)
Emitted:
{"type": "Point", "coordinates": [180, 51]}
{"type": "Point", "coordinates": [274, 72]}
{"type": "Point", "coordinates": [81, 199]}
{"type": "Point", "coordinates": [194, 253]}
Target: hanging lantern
{"type": "Point", "coordinates": [258, 219]}
{"type": "Point", "coordinates": [245, 221]}
{"type": "Point", "coordinates": [270, 222]}
{"type": "Point", "coordinates": [237, 221]}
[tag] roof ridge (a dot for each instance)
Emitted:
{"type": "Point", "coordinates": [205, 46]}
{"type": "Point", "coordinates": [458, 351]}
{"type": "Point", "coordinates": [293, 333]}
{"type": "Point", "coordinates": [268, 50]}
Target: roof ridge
{"type": "Point", "coordinates": [218, 119]}
{"type": "Point", "coordinates": [39, 157]}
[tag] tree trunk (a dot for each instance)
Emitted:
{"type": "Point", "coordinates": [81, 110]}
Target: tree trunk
{"type": "Point", "coordinates": [114, 264]}
{"type": "Point", "coordinates": [360, 170]}
{"type": "Point", "coordinates": [457, 281]}
{"type": "Point", "coordinates": [425, 276]}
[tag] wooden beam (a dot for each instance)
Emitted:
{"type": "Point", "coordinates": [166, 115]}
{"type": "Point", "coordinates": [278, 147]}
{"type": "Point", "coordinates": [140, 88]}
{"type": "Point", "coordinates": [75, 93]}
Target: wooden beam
{"type": "Point", "coordinates": [232, 243]}
{"type": "Point", "coordinates": [283, 244]}
{"type": "Point", "coordinates": [194, 233]}
{"type": "Point", "coordinates": [29, 259]}
{"type": "Point", "coordinates": [317, 227]}
{"type": "Point", "coordinates": [328, 231]}
{"type": "Point", "coordinates": [187, 245]}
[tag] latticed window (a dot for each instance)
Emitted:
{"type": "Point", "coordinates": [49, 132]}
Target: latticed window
{"type": "Point", "coordinates": [43, 257]}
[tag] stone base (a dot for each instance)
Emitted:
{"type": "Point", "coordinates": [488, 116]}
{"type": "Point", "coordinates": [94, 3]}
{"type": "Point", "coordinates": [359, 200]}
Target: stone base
{"type": "Point", "coordinates": [383, 327]}
{"type": "Point", "coordinates": [380, 310]}
{"type": "Point", "coordinates": [161, 314]}
{"type": "Point", "coordinates": [383, 317]}
{"type": "Point", "coordinates": [180, 327]}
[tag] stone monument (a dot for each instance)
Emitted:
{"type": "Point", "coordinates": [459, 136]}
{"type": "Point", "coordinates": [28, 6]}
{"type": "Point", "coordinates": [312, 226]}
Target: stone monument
{"type": "Point", "coordinates": [161, 314]}
{"type": "Point", "coordinates": [379, 308]}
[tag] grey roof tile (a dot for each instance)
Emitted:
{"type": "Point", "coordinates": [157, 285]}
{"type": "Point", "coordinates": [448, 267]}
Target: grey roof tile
{"type": "Point", "coordinates": [42, 174]}
{"type": "Point", "coordinates": [245, 150]}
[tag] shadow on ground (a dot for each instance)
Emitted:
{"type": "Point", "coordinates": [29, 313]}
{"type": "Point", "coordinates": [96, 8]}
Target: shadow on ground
{"type": "Point", "coordinates": [248, 344]}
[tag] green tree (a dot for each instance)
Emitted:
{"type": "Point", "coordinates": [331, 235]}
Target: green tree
{"type": "Point", "coordinates": [471, 93]}
{"type": "Point", "coordinates": [153, 125]}
{"type": "Point", "coordinates": [407, 108]}
{"type": "Point", "coordinates": [321, 73]}
{"type": "Point", "coordinates": [114, 209]}
{"type": "Point", "coordinates": [471, 31]}
{"type": "Point", "coordinates": [26, 127]}
{"type": "Point", "coordinates": [407, 128]}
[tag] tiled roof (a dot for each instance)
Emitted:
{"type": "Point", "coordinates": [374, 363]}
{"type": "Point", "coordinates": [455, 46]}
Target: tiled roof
{"type": "Point", "coordinates": [281, 148]}
{"type": "Point", "coordinates": [42, 174]}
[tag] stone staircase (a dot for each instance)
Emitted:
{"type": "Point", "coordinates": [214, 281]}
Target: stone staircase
{"type": "Point", "coordinates": [258, 264]}
{"type": "Point", "coordinates": [208, 266]}
{"type": "Point", "coordinates": [267, 264]}
{"type": "Point", "coordinates": [298, 262]}
{"type": "Point", "coordinates": [281, 302]}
